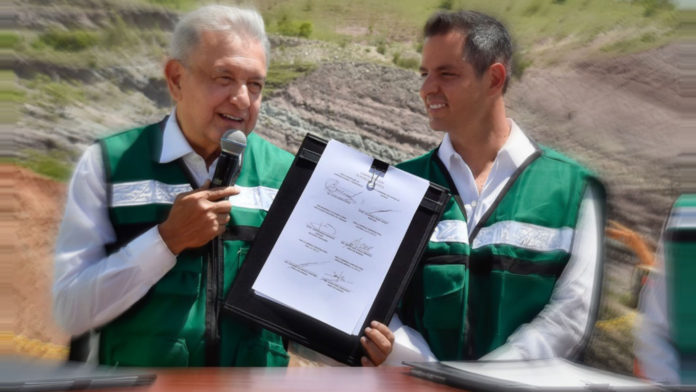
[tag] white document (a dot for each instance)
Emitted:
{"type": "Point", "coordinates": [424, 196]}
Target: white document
{"type": "Point", "coordinates": [336, 248]}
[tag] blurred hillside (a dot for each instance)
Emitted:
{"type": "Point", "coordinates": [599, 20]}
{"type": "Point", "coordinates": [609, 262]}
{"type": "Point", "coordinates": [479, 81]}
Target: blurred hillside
{"type": "Point", "coordinates": [88, 67]}
{"type": "Point", "coordinates": [597, 79]}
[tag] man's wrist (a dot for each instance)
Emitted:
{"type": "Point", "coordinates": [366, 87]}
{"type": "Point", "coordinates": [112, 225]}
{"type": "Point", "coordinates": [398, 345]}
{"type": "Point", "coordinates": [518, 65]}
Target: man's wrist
{"type": "Point", "coordinates": [168, 239]}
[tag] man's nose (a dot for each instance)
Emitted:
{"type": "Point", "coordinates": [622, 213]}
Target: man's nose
{"type": "Point", "coordinates": [428, 86]}
{"type": "Point", "coordinates": [239, 96]}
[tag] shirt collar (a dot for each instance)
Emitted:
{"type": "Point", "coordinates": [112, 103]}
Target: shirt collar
{"type": "Point", "coordinates": [446, 152]}
{"type": "Point", "coordinates": [174, 144]}
{"type": "Point", "coordinates": [517, 148]}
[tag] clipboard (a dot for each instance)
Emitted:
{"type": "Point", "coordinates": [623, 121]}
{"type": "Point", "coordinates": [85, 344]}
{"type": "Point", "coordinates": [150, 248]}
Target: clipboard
{"type": "Point", "coordinates": [24, 374]}
{"type": "Point", "coordinates": [242, 301]}
{"type": "Point", "coordinates": [497, 376]}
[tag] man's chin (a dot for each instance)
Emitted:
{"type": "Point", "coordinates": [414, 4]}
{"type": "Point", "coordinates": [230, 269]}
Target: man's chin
{"type": "Point", "coordinates": [246, 129]}
{"type": "Point", "coordinates": [438, 127]}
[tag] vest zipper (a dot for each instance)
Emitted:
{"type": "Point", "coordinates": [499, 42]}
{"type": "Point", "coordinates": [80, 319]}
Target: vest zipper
{"type": "Point", "coordinates": [214, 281]}
{"type": "Point", "coordinates": [214, 277]}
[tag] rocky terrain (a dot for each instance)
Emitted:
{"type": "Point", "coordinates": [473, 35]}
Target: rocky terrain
{"type": "Point", "coordinates": [621, 116]}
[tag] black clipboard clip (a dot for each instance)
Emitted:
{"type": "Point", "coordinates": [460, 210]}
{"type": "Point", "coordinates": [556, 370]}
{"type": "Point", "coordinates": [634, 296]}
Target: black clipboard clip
{"type": "Point", "coordinates": [378, 169]}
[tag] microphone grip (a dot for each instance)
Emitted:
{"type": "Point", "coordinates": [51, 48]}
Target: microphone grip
{"type": "Point", "coordinates": [227, 170]}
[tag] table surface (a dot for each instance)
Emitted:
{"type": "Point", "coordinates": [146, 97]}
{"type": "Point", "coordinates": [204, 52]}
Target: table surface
{"type": "Point", "coordinates": [332, 379]}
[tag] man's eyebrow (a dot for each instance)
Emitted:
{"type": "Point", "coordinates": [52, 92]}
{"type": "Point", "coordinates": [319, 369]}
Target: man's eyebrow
{"type": "Point", "coordinates": [446, 67]}
{"type": "Point", "coordinates": [221, 70]}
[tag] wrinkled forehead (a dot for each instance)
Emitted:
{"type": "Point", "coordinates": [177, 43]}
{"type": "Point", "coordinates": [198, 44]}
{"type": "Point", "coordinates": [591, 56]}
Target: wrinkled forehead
{"type": "Point", "coordinates": [215, 47]}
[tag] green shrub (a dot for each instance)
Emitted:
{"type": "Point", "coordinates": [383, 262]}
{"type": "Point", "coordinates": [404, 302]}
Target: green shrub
{"type": "Point", "coordinates": [284, 25]}
{"type": "Point", "coordinates": [53, 164]}
{"type": "Point", "coordinates": [13, 95]}
{"type": "Point", "coordinates": [8, 40]}
{"type": "Point", "coordinates": [446, 4]}
{"type": "Point", "coordinates": [56, 92]}
{"type": "Point", "coordinates": [119, 34]}
{"type": "Point", "coordinates": [305, 30]}
{"type": "Point", "coordinates": [292, 28]}
{"type": "Point", "coordinates": [308, 6]}
{"type": "Point", "coordinates": [408, 62]}
{"type": "Point", "coordinates": [281, 74]}
{"type": "Point", "coordinates": [9, 91]}
{"type": "Point", "coordinates": [381, 47]}
{"type": "Point", "coordinates": [68, 40]}
{"type": "Point", "coordinates": [533, 8]}
{"type": "Point", "coordinates": [652, 7]}
{"type": "Point", "coordinates": [648, 37]}
{"type": "Point", "coordinates": [176, 4]}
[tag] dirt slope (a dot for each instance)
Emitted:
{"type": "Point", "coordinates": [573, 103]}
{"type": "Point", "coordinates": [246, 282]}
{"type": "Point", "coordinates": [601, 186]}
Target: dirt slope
{"type": "Point", "coordinates": [622, 117]}
{"type": "Point", "coordinates": [33, 207]}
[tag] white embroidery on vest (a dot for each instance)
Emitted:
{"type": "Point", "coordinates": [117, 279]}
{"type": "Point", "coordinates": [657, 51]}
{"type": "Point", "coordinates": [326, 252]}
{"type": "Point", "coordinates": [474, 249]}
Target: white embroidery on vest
{"type": "Point", "coordinates": [145, 192]}
{"type": "Point", "coordinates": [258, 197]}
{"type": "Point", "coordinates": [450, 231]}
{"type": "Point", "coordinates": [525, 235]}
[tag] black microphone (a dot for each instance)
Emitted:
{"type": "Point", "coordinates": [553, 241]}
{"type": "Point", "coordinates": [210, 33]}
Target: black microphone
{"type": "Point", "coordinates": [229, 164]}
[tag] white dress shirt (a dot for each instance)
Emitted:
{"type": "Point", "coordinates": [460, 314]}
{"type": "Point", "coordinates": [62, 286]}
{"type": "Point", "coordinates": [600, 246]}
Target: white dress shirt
{"type": "Point", "coordinates": [559, 328]}
{"type": "Point", "coordinates": [657, 357]}
{"type": "Point", "coordinates": [90, 288]}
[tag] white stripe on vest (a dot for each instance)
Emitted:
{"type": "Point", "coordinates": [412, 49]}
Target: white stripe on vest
{"type": "Point", "coordinates": [451, 231]}
{"type": "Point", "coordinates": [138, 193]}
{"type": "Point", "coordinates": [258, 197]}
{"type": "Point", "coordinates": [525, 235]}
{"type": "Point", "coordinates": [682, 218]}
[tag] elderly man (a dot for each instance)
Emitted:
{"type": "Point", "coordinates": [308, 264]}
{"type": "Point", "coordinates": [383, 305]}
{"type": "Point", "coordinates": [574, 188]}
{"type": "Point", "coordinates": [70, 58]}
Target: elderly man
{"type": "Point", "coordinates": [511, 271]}
{"type": "Point", "coordinates": [147, 251]}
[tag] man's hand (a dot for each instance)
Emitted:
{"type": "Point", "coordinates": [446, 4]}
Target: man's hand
{"type": "Point", "coordinates": [638, 244]}
{"type": "Point", "coordinates": [196, 217]}
{"type": "Point", "coordinates": [378, 343]}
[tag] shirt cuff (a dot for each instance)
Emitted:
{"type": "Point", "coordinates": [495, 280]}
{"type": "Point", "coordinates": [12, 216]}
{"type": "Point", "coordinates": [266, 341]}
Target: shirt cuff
{"type": "Point", "coordinates": [152, 255]}
{"type": "Point", "coordinates": [409, 345]}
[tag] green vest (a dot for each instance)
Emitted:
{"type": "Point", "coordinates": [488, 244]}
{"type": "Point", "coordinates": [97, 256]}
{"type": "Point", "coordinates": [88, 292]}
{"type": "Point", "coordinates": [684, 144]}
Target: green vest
{"type": "Point", "coordinates": [475, 289]}
{"type": "Point", "coordinates": [679, 243]}
{"type": "Point", "coordinates": [178, 322]}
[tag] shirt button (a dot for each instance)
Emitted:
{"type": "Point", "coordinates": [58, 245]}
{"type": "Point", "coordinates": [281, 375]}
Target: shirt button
{"type": "Point", "coordinates": [473, 203]}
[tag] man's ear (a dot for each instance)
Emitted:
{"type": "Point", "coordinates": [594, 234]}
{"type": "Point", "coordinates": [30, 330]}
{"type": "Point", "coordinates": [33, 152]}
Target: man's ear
{"type": "Point", "coordinates": [497, 74]}
{"type": "Point", "coordinates": [173, 71]}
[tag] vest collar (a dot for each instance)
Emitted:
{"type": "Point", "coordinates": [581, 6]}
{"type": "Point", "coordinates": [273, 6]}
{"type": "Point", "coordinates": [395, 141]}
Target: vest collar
{"type": "Point", "coordinates": [172, 144]}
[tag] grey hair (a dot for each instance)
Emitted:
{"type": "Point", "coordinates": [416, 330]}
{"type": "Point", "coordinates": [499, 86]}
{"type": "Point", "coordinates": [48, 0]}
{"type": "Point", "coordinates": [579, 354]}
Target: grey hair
{"type": "Point", "coordinates": [239, 21]}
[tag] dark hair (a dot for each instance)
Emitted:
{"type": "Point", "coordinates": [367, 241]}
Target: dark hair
{"type": "Point", "coordinates": [487, 41]}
